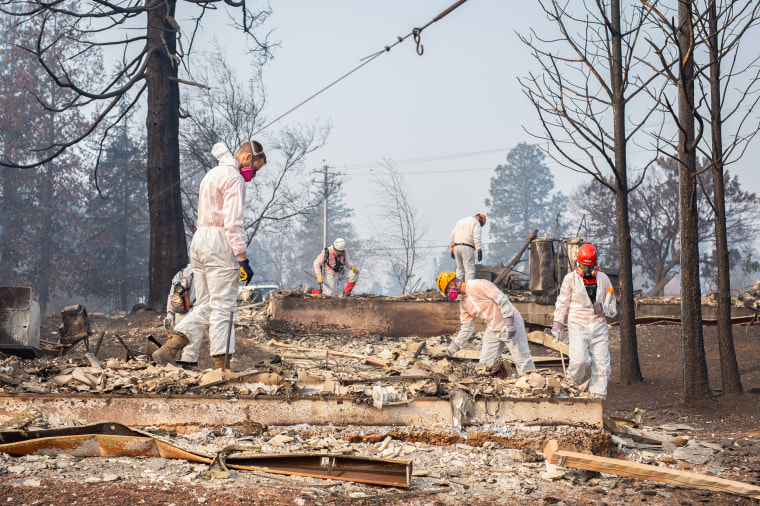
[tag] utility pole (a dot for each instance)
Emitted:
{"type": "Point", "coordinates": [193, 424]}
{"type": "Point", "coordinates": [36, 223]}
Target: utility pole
{"type": "Point", "coordinates": [324, 208]}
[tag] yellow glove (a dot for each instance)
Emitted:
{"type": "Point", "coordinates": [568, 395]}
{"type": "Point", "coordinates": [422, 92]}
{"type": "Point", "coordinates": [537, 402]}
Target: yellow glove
{"type": "Point", "coordinates": [355, 269]}
{"type": "Point", "coordinates": [319, 279]}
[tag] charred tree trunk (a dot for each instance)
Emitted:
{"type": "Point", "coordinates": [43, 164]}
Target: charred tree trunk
{"type": "Point", "coordinates": [695, 381]}
{"type": "Point", "coordinates": [630, 370]}
{"type": "Point", "coordinates": [729, 369]}
{"type": "Point", "coordinates": [168, 249]}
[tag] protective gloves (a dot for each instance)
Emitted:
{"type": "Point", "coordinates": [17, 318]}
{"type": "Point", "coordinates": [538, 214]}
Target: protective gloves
{"type": "Point", "coordinates": [355, 269]}
{"type": "Point", "coordinates": [169, 320]}
{"type": "Point", "coordinates": [598, 310]}
{"type": "Point", "coordinates": [452, 251]}
{"type": "Point", "coordinates": [509, 324]}
{"type": "Point", "coordinates": [449, 351]}
{"type": "Point", "coordinates": [480, 255]}
{"type": "Point", "coordinates": [557, 331]}
{"type": "Point", "coordinates": [319, 279]}
{"type": "Point", "coordinates": [246, 273]}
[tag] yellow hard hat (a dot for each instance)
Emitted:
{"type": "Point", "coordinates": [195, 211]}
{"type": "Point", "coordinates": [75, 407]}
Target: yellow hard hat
{"type": "Point", "coordinates": [444, 278]}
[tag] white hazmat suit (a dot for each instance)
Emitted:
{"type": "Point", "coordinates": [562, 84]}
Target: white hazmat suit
{"type": "Point", "coordinates": [218, 239]}
{"type": "Point", "coordinates": [587, 331]}
{"type": "Point", "coordinates": [173, 313]}
{"type": "Point", "coordinates": [465, 240]}
{"type": "Point", "coordinates": [484, 299]}
{"type": "Point", "coordinates": [331, 275]}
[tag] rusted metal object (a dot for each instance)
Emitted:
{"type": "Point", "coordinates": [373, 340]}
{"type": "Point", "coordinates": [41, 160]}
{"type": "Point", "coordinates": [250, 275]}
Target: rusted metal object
{"type": "Point", "coordinates": [105, 439]}
{"type": "Point", "coordinates": [110, 439]}
{"type": "Point", "coordinates": [75, 324]}
{"type": "Point", "coordinates": [374, 471]}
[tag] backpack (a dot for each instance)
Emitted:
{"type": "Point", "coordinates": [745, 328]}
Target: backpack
{"type": "Point", "coordinates": [182, 298]}
{"type": "Point", "coordinates": [338, 267]}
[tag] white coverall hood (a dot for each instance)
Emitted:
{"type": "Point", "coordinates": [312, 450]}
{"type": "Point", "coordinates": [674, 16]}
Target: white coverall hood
{"type": "Point", "coordinates": [223, 155]}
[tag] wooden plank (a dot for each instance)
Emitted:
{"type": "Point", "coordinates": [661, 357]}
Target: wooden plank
{"type": "Point", "coordinates": [465, 353]}
{"type": "Point", "coordinates": [471, 354]}
{"type": "Point", "coordinates": [367, 360]}
{"type": "Point", "coordinates": [547, 340]}
{"type": "Point", "coordinates": [646, 472]}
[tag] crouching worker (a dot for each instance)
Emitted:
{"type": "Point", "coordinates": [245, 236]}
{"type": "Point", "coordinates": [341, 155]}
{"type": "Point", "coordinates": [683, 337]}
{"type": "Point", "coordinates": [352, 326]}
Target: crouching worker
{"type": "Point", "coordinates": [181, 297]}
{"type": "Point", "coordinates": [218, 257]}
{"type": "Point", "coordinates": [504, 325]}
{"type": "Point", "coordinates": [332, 266]}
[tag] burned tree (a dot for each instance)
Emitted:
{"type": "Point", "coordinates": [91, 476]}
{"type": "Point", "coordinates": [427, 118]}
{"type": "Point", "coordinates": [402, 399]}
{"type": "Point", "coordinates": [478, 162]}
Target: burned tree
{"type": "Point", "coordinates": [725, 26]}
{"type": "Point", "coordinates": [581, 97]}
{"type": "Point", "coordinates": [149, 65]}
{"type": "Point", "coordinates": [654, 225]}
{"type": "Point", "coordinates": [675, 46]}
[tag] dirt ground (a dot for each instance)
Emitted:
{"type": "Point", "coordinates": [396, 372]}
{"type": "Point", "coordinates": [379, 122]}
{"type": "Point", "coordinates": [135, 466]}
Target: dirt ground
{"type": "Point", "coordinates": [722, 419]}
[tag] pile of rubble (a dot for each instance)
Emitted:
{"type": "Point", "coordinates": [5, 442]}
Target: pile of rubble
{"type": "Point", "coordinates": [372, 370]}
{"type": "Point", "coordinates": [466, 465]}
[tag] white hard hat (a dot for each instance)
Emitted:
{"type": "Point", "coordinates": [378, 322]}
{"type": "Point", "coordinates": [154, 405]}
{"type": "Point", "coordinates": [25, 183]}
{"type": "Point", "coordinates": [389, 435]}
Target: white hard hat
{"type": "Point", "coordinates": [339, 244]}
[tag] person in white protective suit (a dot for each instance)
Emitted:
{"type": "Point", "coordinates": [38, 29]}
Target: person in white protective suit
{"type": "Point", "coordinates": [181, 297]}
{"type": "Point", "coordinates": [584, 298]}
{"type": "Point", "coordinates": [332, 266]}
{"type": "Point", "coordinates": [218, 257]}
{"type": "Point", "coordinates": [465, 244]}
{"type": "Point", "coordinates": [504, 324]}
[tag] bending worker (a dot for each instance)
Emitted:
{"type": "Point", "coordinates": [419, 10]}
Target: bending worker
{"type": "Point", "coordinates": [465, 242]}
{"type": "Point", "coordinates": [181, 297]}
{"type": "Point", "coordinates": [582, 298]}
{"type": "Point", "coordinates": [330, 268]}
{"type": "Point", "coordinates": [218, 257]}
{"type": "Point", "coordinates": [504, 325]}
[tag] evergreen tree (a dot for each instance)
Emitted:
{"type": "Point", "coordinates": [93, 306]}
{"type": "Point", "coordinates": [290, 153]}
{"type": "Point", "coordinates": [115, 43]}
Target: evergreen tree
{"type": "Point", "coordinates": [119, 266]}
{"type": "Point", "coordinates": [521, 201]}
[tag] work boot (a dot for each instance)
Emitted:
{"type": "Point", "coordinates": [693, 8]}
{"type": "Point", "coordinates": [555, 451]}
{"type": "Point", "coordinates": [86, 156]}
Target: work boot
{"type": "Point", "coordinates": [349, 287]}
{"type": "Point", "coordinates": [151, 345]}
{"type": "Point", "coordinates": [219, 361]}
{"type": "Point", "coordinates": [187, 365]}
{"type": "Point", "coordinates": [173, 345]}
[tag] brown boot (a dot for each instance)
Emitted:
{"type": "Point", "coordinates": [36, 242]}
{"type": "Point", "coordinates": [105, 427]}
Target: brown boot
{"type": "Point", "coordinates": [173, 345]}
{"type": "Point", "coordinates": [219, 361]}
{"type": "Point", "coordinates": [151, 345]}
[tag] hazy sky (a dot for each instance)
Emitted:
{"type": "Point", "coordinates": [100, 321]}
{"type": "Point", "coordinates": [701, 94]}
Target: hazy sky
{"type": "Point", "coordinates": [447, 118]}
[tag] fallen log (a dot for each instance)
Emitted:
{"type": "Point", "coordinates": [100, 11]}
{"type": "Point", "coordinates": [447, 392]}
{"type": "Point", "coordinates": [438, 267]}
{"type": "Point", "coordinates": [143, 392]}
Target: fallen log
{"type": "Point", "coordinates": [646, 472]}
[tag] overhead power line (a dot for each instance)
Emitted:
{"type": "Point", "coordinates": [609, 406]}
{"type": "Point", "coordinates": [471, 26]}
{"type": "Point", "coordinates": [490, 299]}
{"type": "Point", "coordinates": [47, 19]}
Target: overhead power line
{"type": "Point", "coordinates": [416, 33]}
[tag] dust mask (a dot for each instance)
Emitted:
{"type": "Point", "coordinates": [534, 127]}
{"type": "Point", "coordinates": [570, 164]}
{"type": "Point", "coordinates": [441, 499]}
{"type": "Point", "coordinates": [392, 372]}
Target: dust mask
{"type": "Point", "coordinates": [453, 293]}
{"type": "Point", "coordinates": [247, 173]}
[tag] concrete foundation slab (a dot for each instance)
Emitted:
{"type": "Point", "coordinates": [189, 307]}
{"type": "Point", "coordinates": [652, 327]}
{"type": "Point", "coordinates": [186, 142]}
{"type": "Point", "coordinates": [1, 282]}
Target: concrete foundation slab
{"type": "Point", "coordinates": [387, 316]}
{"type": "Point", "coordinates": [141, 411]}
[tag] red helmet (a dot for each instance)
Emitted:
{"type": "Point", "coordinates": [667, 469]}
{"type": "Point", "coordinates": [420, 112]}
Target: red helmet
{"type": "Point", "coordinates": [587, 255]}
{"type": "Point", "coordinates": [481, 218]}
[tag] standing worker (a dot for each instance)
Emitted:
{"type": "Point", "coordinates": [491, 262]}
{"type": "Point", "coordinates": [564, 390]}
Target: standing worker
{"type": "Point", "coordinates": [217, 256]}
{"type": "Point", "coordinates": [330, 267]}
{"type": "Point", "coordinates": [583, 298]}
{"type": "Point", "coordinates": [504, 324]}
{"type": "Point", "coordinates": [465, 241]}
